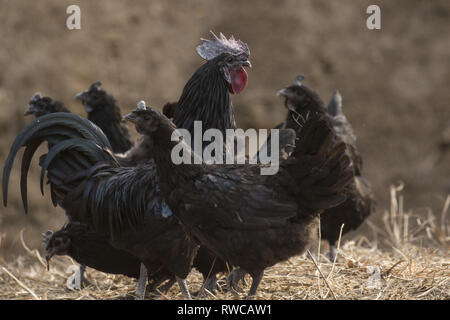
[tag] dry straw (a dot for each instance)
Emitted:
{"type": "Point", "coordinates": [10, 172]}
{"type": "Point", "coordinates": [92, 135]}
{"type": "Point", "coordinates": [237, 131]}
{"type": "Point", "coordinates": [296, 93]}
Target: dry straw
{"type": "Point", "coordinates": [413, 264]}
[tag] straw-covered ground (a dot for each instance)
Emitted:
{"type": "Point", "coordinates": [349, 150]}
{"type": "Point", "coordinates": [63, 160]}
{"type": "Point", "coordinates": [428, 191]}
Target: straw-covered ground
{"type": "Point", "coordinates": [406, 259]}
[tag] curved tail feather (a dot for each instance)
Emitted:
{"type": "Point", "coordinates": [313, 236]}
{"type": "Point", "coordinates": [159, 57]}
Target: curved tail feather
{"type": "Point", "coordinates": [84, 175]}
{"type": "Point", "coordinates": [53, 128]}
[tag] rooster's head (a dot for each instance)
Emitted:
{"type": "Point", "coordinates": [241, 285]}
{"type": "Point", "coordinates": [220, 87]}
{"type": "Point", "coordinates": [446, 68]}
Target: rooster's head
{"type": "Point", "coordinates": [231, 56]}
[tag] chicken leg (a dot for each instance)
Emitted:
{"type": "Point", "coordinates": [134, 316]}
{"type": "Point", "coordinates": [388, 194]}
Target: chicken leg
{"type": "Point", "coordinates": [184, 289]}
{"type": "Point", "coordinates": [140, 291]}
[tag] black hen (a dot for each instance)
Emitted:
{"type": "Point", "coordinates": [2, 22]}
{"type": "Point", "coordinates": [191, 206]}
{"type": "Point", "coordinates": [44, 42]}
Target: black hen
{"type": "Point", "coordinates": [102, 110]}
{"type": "Point", "coordinates": [82, 244]}
{"type": "Point", "coordinates": [125, 203]}
{"type": "Point", "coordinates": [142, 151]}
{"type": "Point", "coordinates": [302, 102]}
{"type": "Point", "coordinates": [40, 106]}
{"type": "Point", "coordinates": [251, 220]}
{"type": "Point", "coordinates": [206, 262]}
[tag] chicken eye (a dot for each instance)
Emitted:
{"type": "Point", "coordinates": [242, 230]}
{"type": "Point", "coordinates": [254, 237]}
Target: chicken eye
{"type": "Point", "coordinates": [229, 60]}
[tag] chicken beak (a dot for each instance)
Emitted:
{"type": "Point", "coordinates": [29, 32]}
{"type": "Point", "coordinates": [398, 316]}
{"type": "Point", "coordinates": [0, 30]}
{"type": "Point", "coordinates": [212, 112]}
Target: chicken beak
{"type": "Point", "coordinates": [30, 110]}
{"type": "Point", "coordinates": [246, 63]}
{"type": "Point", "coordinates": [282, 92]}
{"type": "Point", "coordinates": [130, 117]}
{"type": "Point", "coordinates": [80, 95]}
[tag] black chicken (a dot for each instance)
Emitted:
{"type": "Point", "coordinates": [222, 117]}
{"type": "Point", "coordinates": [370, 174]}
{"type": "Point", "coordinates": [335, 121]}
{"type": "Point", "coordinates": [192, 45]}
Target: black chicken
{"type": "Point", "coordinates": [102, 110]}
{"type": "Point", "coordinates": [302, 102]}
{"type": "Point", "coordinates": [142, 151]}
{"type": "Point", "coordinates": [40, 106]}
{"type": "Point", "coordinates": [251, 220]}
{"type": "Point", "coordinates": [87, 247]}
{"type": "Point", "coordinates": [83, 244]}
{"type": "Point", "coordinates": [121, 203]}
{"type": "Point", "coordinates": [124, 203]}
{"type": "Point", "coordinates": [206, 262]}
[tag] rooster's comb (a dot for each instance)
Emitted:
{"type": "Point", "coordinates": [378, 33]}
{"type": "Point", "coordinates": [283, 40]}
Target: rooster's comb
{"type": "Point", "coordinates": [209, 49]}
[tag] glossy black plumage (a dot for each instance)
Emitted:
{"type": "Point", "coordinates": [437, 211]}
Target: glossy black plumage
{"type": "Point", "coordinates": [40, 106]}
{"type": "Point", "coordinates": [303, 102]}
{"type": "Point", "coordinates": [89, 248]}
{"type": "Point", "coordinates": [84, 245]}
{"type": "Point", "coordinates": [102, 109]}
{"type": "Point", "coordinates": [121, 203]}
{"type": "Point", "coordinates": [169, 109]}
{"type": "Point", "coordinates": [205, 261]}
{"type": "Point", "coordinates": [208, 264]}
{"type": "Point", "coordinates": [251, 220]}
{"type": "Point", "coordinates": [142, 151]}
{"type": "Point", "coordinates": [212, 106]}
{"type": "Point", "coordinates": [360, 202]}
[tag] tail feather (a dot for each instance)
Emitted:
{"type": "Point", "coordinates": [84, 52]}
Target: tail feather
{"type": "Point", "coordinates": [87, 153]}
{"type": "Point", "coordinates": [26, 161]}
{"type": "Point", "coordinates": [54, 128]}
{"type": "Point", "coordinates": [112, 199]}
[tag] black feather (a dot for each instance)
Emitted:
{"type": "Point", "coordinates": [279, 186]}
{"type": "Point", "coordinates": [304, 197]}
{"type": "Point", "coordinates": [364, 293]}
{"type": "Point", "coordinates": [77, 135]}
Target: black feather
{"type": "Point", "coordinates": [257, 220]}
{"type": "Point", "coordinates": [303, 102]}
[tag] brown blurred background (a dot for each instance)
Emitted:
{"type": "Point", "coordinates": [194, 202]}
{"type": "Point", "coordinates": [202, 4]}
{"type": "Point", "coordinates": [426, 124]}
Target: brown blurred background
{"type": "Point", "coordinates": [394, 81]}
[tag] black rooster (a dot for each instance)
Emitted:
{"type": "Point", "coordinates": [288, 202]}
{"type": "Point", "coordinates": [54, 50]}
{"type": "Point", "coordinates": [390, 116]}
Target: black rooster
{"type": "Point", "coordinates": [125, 203]}
{"type": "Point", "coordinates": [302, 102]}
{"type": "Point", "coordinates": [251, 220]}
{"type": "Point", "coordinates": [102, 110]}
{"type": "Point", "coordinates": [87, 247]}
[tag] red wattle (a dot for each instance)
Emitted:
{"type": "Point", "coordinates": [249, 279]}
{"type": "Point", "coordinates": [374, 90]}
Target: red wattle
{"type": "Point", "coordinates": [239, 80]}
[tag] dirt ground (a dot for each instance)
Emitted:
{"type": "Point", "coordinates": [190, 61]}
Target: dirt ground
{"type": "Point", "coordinates": [394, 81]}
